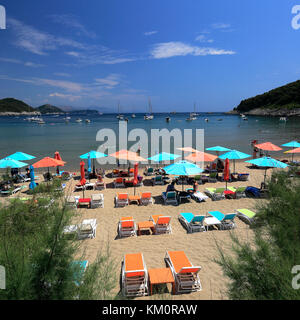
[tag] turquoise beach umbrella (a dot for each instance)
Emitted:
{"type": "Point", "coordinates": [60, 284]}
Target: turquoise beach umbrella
{"type": "Point", "coordinates": [218, 148]}
{"type": "Point", "coordinates": [21, 156]}
{"type": "Point", "coordinates": [183, 168]}
{"type": "Point", "coordinates": [292, 144]}
{"type": "Point", "coordinates": [164, 156]}
{"type": "Point", "coordinates": [10, 163]}
{"type": "Point", "coordinates": [32, 184]}
{"type": "Point", "coordinates": [234, 155]}
{"type": "Point", "coordinates": [267, 162]}
{"type": "Point", "coordinates": [93, 155]}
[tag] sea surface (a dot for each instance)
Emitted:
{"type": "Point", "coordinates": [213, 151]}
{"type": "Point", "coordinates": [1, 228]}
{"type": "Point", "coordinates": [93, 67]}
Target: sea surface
{"type": "Point", "coordinates": [74, 139]}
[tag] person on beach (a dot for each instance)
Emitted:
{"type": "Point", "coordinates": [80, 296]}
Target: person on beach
{"type": "Point", "coordinates": [171, 187]}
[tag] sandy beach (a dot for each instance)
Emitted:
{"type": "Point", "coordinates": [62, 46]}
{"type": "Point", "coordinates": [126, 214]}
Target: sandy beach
{"type": "Point", "coordinates": [200, 247]}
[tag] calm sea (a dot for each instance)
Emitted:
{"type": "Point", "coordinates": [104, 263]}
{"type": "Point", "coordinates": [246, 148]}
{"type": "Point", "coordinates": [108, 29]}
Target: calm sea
{"type": "Point", "coordinates": [74, 139]}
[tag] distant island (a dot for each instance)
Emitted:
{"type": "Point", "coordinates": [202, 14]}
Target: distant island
{"type": "Point", "coordinates": [13, 107]}
{"type": "Point", "coordinates": [282, 101]}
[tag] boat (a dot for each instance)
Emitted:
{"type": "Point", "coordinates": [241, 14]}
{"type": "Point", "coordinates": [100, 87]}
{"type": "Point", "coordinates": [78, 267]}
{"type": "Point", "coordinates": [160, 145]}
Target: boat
{"type": "Point", "coordinates": [78, 120]}
{"type": "Point", "coordinates": [87, 121]}
{"type": "Point", "coordinates": [191, 117]}
{"type": "Point", "coordinates": [244, 117]}
{"type": "Point", "coordinates": [168, 119]}
{"type": "Point", "coordinates": [282, 119]}
{"type": "Point", "coordinates": [149, 116]}
{"type": "Point", "coordinates": [173, 112]}
{"type": "Point", "coordinates": [120, 116]}
{"type": "Point", "coordinates": [220, 119]}
{"type": "Point", "coordinates": [133, 116]}
{"type": "Point", "coordinates": [126, 119]}
{"type": "Point", "coordinates": [206, 119]}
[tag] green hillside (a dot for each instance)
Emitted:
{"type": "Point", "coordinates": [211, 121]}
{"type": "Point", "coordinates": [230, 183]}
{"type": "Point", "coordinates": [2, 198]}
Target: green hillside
{"type": "Point", "coordinates": [48, 108]}
{"type": "Point", "coordinates": [285, 97]}
{"type": "Point", "coordinates": [14, 105]}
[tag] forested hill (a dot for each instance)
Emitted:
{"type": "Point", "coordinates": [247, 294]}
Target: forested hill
{"type": "Point", "coordinates": [285, 99]}
{"type": "Point", "coordinates": [14, 105]}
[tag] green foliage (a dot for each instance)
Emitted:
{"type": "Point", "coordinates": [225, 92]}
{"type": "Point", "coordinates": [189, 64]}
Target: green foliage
{"type": "Point", "coordinates": [14, 105]}
{"type": "Point", "coordinates": [285, 97]}
{"type": "Point", "coordinates": [48, 108]}
{"type": "Point", "coordinates": [264, 271]}
{"type": "Point", "coordinates": [39, 259]}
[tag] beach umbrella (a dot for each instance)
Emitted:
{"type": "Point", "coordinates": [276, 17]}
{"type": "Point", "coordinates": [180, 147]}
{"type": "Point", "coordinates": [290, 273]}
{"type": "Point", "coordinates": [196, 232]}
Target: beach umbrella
{"type": "Point", "coordinates": [234, 155]}
{"type": "Point", "coordinates": [135, 176]}
{"type": "Point", "coordinates": [32, 184]}
{"type": "Point", "coordinates": [57, 157]}
{"type": "Point", "coordinates": [267, 162]}
{"type": "Point", "coordinates": [82, 176]}
{"type": "Point", "coordinates": [89, 166]}
{"type": "Point", "coordinates": [127, 155]}
{"type": "Point", "coordinates": [183, 168]}
{"type": "Point", "coordinates": [10, 163]}
{"type": "Point", "coordinates": [164, 156]}
{"type": "Point", "coordinates": [48, 162]}
{"type": "Point", "coordinates": [188, 149]}
{"type": "Point", "coordinates": [291, 144]}
{"type": "Point", "coordinates": [297, 150]}
{"type": "Point", "coordinates": [268, 146]}
{"type": "Point", "coordinates": [21, 156]}
{"type": "Point", "coordinates": [93, 155]}
{"type": "Point", "coordinates": [218, 149]}
{"type": "Point", "coordinates": [226, 171]}
{"type": "Point", "coordinates": [201, 157]}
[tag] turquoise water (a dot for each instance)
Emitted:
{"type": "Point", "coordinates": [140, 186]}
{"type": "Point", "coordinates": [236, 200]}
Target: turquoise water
{"type": "Point", "coordinates": [74, 139]}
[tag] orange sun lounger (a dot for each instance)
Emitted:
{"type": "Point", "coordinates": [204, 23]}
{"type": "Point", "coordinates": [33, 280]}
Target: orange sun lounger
{"type": "Point", "coordinates": [185, 274]}
{"type": "Point", "coordinates": [121, 200]}
{"type": "Point", "coordinates": [146, 198]}
{"type": "Point", "coordinates": [134, 275]}
{"type": "Point", "coordinates": [126, 227]}
{"type": "Point", "coordinates": [161, 223]}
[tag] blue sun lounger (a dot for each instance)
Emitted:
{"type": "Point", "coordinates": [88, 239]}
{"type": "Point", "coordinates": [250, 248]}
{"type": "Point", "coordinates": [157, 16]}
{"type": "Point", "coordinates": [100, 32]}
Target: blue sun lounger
{"type": "Point", "coordinates": [227, 220]}
{"type": "Point", "coordinates": [191, 222]}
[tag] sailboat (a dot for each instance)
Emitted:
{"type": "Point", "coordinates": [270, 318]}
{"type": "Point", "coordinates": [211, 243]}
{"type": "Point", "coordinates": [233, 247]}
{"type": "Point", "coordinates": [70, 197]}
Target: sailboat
{"type": "Point", "coordinates": [120, 116]}
{"type": "Point", "coordinates": [192, 114]}
{"type": "Point", "coordinates": [149, 116]}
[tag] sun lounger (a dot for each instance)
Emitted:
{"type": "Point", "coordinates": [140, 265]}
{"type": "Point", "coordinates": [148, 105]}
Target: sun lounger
{"type": "Point", "coordinates": [227, 220]}
{"type": "Point", "coordinates": [79, 187]}
{"type": "Point", "coordinates": [134, 275]}
{"type": "Point", "coordinates": [87, 229]}
{"type": "Point", "coordinates": [100, 185]}
{"type": "Point", "coordinates": [158, 180]}
{"type": "Point", "coordinates": [146, 198]}
{"type": "Point", "coordinates": [243, 176]}
{"type": "Point", "coordinates": [212, 177]}
{"type": "Point", "coordinates": [6, 193]}
{"type": "Point", "coordinates": [97, 200]}
{"type": "Point", "coordinates": [80, 268]}
{"type": "Point", "coordinates": [215, 193]}
{"type": "Point", "coordinates": [66, 176]}
{"type": "Point", "coordinates": [199, 196]}
{"type": "Point", "coordinates": [240, 192]}
{"type": "Point", "coordinates": [126, 227]}
{"type": "Point", "coordinates": [161, 224]}
{"type": "Point", "coordinates": [185, 274]}
{"type": "Point", "coordinates": [192, 223]}
{"type": "Point", "coordinates": [121, 200]}
{"type": "Point", "coordinates": [119, 183]}
{"type": "Point", "coordinates": [149, 172]}
{"type": "Point", "coordinates": [71, 202]}
{"type": "Point", "coordinates": [170, 197]}
{"type": "Point", "coordinates": [246, 215]}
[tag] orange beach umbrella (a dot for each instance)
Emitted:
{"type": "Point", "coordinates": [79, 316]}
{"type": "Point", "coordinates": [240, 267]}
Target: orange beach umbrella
{"type": "Point", "coordinates": [268, 146]}
{"type": "Point", "coordinates": [127, 155]}
{"type": "Point", "coordinates": [188, 149]}
{"type": "Point", "coordinates": [297, 150]}
{"type": "Point", "coordinates": [201, 156]}
{"type": "Point", "coordinates": [48, 162]}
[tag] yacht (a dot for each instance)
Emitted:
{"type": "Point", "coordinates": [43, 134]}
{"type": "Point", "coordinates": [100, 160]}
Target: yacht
{"type": "Point", "coordinates": [120, 116]}
{"type": "Point", "coordinates": [78, 120]}
{"type": "Point", "coordinates": [87, 121]}
{"type": "Point", "coordinates": [191, 117]}
{"type": "Point", "coordinates": [149, 116]}
{"type": "Point", "coordinates": [282, 119]}
{"type": "Point", "coordinates": [206, 120]}
{"type": "Point", "coordinates": [168, 119]}
{"type": "Point", "coordinates": [244, 117]}
{"type": "Point", "coordinates": [133, 116]}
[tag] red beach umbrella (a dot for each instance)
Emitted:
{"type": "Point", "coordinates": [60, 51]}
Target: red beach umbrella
{"type": "Point", "coordinates": [57, 157]}
{"type": "Point", "coordinates": [82, 174]}
{"type": "Point", "coordinates": [226, 171]}
{"type": "Point", "coordinates": [135, 178]}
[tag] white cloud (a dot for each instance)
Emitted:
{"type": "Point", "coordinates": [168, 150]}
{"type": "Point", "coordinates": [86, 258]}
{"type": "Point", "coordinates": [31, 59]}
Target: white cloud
{"type": "Point", "coordinates": [37, 42]}
{"type": "Point", "coordinates": [110, 81]}
{"type": "Point", "coordinates": [67, 85]}
{"type": "Point", "coordinates": [26, 64]}
{"type": "Point", "coordinates": [69, 97]}
{"type": "Point", "coordinates": [62, 74]}
{"type": "Point", "coordinates": [150, 33]}
{"type": "Point", "coordinates": [173, 49]}
{"type": "Point", "coordinates": [72, 22]}
{"type": "Point", "coordinates": [202, 38]}
{"type": "Point", "coordinates": [221, 26]}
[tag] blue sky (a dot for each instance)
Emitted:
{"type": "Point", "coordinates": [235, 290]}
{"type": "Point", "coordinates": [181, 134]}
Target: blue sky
{"type": "Point", "coordinates": [93, 53]}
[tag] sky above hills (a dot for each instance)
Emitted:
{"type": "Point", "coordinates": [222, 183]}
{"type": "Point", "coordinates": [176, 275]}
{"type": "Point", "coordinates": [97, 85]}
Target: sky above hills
{"type": "Point", "coordinates": [89, 54]}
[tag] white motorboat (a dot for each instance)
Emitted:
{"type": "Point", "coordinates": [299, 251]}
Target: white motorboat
{"type": "Point", "coordinates": [149, 116]}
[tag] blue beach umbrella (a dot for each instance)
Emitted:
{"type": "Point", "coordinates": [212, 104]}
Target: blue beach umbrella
{"type": "Point", "coordinates": [32, 184]}
{"type": "Point", "coordinates": [89, 165]}
{"type": "Point", "coordinates": [292, 144]}
{"type": "Point", "coordinates": [267, 162]}
{"type": "Point", "coordinates": [164, 156]}
{"type": "Point", "coordinates": [234, 155]}
{"type": "Point", "coordinates": [10, 163]}
{"type": "Point", "coordinates": [218, 148]}
{"type": "Point", "coordinates": [21, 156]}
{"type": "Point", "coordinates": [93, 155]}
{"type": "Point", "coordinates": [183, 168]}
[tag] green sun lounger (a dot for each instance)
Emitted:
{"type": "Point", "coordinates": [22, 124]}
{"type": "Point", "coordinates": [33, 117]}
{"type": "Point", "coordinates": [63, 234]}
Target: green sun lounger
{"type": "Point", "coordinates": [246, 214]}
